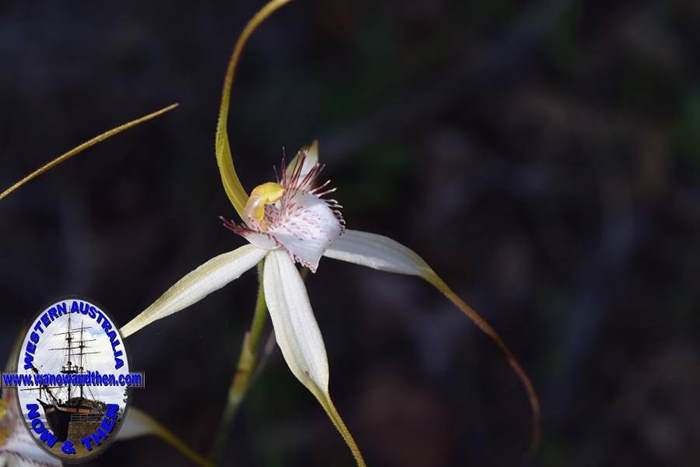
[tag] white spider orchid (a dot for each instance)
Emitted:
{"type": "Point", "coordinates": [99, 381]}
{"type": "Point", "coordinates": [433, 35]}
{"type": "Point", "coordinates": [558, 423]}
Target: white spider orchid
{"type": "Point", "coordinates": [286, 222]}
{"type": "Point", "coordinates": [19, 449]}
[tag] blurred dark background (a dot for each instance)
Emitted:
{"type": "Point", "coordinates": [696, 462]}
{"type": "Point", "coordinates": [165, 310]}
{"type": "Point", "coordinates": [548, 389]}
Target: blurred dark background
{"type": "Point", "coordinates": [542, 156]}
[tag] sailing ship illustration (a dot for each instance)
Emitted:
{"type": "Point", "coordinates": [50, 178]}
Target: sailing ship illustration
{"type": "Point", "coordinates": [71, 410]}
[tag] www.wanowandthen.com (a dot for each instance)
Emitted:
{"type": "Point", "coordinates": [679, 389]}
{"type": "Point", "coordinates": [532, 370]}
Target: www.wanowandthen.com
{"type": "Point", "coordinates": [89, 378]}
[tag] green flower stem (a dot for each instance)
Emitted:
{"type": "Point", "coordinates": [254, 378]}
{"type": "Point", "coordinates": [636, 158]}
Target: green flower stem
{"type": "Point", "coordinates": [242, 378]}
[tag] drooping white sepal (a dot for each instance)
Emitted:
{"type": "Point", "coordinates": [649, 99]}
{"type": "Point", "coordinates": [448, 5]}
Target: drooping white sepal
{"type": "Point", "coordinates": [296, 330]}
{"type": "Point", "coordinates": [299, 338]}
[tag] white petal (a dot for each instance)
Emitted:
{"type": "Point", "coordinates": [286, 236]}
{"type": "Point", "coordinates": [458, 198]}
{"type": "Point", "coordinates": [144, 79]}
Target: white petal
{"type": "Point", "coordinates": [307, 227]}
{"type": "Point", "coordinates": [293, 319]}
{"type": "Point", "coordinates": [377, 252]}
{"type": "Point", "coordinates": [311, 159]}
{"type": "Point", "coordinates": [207, 278]}
{"type": "Point", "coordinates": [299, 338]}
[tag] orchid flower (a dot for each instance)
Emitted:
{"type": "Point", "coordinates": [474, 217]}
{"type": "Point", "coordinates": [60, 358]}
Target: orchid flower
{"type": "Point", "coordinates": [19, 449]}
{"type": "Point", "coordinates": [290, 222]}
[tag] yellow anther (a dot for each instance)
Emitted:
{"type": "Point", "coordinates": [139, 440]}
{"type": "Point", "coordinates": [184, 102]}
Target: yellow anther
{"type": "Point", "coordinates": [261, 196]}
